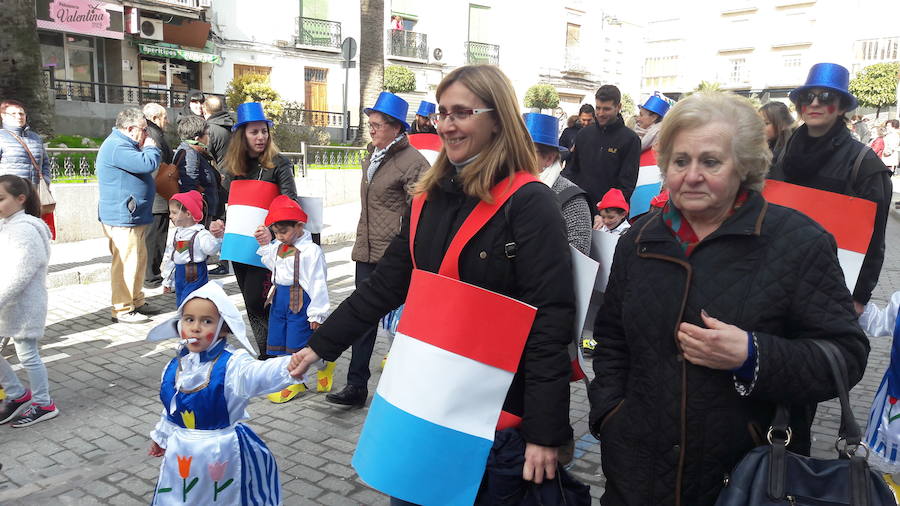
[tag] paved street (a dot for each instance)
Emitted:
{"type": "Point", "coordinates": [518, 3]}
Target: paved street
{"type": "Point", "coordinates": [105, 380]}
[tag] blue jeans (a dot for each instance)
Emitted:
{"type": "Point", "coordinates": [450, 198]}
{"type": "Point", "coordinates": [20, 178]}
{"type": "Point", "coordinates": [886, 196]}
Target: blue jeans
{"type": "Point", "coordinates": [27, 351]}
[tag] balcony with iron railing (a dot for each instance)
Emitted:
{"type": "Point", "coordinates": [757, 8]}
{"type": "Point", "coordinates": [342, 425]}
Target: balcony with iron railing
{"type": "Point", "coordinates": [481, 52]}
{"type": "Point", "coordinates": [319, 33]}
{"type": "Point", "coordinates": [407, 44]}
{"type": "Point", "coordinates": [105, 93]}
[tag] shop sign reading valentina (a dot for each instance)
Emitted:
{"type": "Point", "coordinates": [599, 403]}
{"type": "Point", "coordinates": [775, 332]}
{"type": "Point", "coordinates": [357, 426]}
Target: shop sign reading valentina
{"type": "Point", "coordinates": [87, 17]}
{"type": "Point", "coordinates": [181, 54]}
{"type": "Point", "coordinates": [81, 14]}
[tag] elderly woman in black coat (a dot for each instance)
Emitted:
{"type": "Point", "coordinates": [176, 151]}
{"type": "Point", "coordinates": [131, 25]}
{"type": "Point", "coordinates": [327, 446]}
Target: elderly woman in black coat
{"type": "Point", "coordinates": [709, 316]}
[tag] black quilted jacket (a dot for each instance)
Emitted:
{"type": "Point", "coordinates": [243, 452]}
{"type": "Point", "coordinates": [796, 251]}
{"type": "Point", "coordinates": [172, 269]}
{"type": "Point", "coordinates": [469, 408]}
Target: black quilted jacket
{"type": "Point", "coordinates": [670, 431]}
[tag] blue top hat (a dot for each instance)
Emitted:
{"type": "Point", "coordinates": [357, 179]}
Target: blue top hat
{"type": "Point", "coordinates": [543, 129]}
{"type": "Point", "coordinates": [656, 105]}
{"type": "Point", "coordinates": [827, 75]}
{"type": "Point", "coordinates": [426, 108]}
{"type": "Point", "coordinates": [391, 105]}
{"type": "Point", "coordinates": [249, 112]}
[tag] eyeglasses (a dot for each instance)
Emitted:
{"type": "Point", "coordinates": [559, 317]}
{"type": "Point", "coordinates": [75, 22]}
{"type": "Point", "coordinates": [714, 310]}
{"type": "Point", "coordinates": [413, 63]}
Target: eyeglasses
{"type": "Point", "coordinates": [374, 125]}
{"type": "Point", "coordinates": [457, 115]}
{"type": "Point", "coordinates": [22, 114]}
{"type": "Point", "coordinates": [825, 97]}
{"type": "Point", "coordinates": [197, 100]}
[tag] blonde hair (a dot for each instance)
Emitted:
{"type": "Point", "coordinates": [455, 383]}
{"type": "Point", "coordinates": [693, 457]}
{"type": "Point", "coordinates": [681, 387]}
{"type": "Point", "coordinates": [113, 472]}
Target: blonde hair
{"type": "Point", "coordinates": [509, 151]}
{"type": "Point", "coordinates": [237, 156]}
{"type": "Point", "coordinates": [748, 141]}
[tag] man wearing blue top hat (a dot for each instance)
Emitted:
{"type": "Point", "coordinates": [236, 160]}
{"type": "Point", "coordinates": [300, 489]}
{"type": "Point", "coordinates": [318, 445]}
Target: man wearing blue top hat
{"type": "Point", "coordinates": [822, 154]}
{"type": "Point", "coordinates": [389, 173]}
{"type": "Point", "coordinates": [422, 125]}
{"type": "Point", "coordinates": [606, 153]}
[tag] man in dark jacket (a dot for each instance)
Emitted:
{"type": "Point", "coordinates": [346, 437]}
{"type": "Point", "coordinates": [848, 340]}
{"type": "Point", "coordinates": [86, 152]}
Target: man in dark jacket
{"type": "Point", "coordinates": [220, 122]}
{"type": "Point", "coordinates": [607, 153]}
{"type": "Point", "coordinates": [159, 229]}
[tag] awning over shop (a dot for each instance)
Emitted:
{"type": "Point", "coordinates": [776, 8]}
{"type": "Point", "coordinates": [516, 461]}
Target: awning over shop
{"type": "Point", "coordinates": [179, 53]}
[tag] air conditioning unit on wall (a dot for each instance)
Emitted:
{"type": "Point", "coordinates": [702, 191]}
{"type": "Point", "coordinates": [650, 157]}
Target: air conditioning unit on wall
{"type": "Point", "coordinates": [152, 29]}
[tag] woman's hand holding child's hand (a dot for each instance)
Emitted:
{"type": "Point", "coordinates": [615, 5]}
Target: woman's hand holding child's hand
{"type": "Point", "coordinates": [262, 235]}
{"type": "Point", "coordinates": [217, 229]}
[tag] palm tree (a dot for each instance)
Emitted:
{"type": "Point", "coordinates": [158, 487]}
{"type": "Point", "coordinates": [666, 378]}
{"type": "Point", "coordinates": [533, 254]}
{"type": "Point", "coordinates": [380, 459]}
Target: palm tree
{"type": "Point", "coordinates": [371, 59]}
{"type": "Point", "coordinates": [20, 64]}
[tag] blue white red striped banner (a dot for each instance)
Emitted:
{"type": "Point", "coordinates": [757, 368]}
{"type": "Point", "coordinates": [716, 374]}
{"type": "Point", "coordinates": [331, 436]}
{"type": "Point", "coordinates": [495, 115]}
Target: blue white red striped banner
{"type": "Point", "coordinates": [431, 423]}
{"type": "Point", "coordinates": [248, 205]}
{"type": "Point", "coordinates": [649, 184]}
{"type": "Point", "coordinates": [428, 144]}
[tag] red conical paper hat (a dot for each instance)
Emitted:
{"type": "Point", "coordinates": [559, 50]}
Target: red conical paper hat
{"type": "Point", "coordinates": [613, 198]}
{"type": "Point", "coordinates": [284, 208]}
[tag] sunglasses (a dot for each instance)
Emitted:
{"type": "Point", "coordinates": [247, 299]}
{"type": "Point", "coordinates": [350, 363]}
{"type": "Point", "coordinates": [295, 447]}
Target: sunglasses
{"type": "Point", "coordinates": [825, 97]}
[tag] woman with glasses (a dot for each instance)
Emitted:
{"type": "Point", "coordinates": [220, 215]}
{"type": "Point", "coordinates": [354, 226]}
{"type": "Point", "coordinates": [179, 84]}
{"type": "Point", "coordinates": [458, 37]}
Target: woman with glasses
{"type": "Point", "coordinates": [519, 251]}
{"type": "Point", "coordinates": [389, 173]}
{"type": "Point", "coordinates": [22, 150]}
{"type": "Point", "coordinates": [822, 154]}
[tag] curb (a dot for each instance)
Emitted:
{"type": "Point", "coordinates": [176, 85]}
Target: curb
{"type": "Point", "coordinates": [93, 273]}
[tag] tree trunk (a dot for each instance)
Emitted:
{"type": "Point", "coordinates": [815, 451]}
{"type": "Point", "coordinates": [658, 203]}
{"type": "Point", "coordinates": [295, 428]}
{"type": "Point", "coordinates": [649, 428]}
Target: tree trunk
{"type": "Point", "coordinates": [20, 63]}
{"type": "Point", "coordinates": [371, 60]}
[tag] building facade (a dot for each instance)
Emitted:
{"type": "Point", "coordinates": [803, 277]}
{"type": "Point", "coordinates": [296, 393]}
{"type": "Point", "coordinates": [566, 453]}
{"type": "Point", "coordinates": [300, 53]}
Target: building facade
{"type": "Point", "coordinates": [763, 47]}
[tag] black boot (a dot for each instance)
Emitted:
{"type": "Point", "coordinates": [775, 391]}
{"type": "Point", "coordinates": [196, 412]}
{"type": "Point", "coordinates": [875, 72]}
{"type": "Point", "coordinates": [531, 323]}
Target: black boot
{"type": "Point", "coordinates": [351, 395]}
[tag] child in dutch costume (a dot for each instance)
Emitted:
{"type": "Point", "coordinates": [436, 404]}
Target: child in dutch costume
{"type": "Point", "coordinates": [184, 262]}
{"type": "Point", "coordinates": [209, 456]}
{"type": "Point", "coordinates": [299, 295]}
{"type": "Point", "coordinates": [883, 430]}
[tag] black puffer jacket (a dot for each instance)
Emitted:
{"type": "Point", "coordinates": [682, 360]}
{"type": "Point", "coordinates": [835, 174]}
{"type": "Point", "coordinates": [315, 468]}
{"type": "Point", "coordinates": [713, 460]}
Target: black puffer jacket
{"type": "Point", "coordinates": [669, 431]}
{"type": "Point", "coordinates": [540, 275]}
{"type": "Point", "coordinates": [604, 157]}
{"type": "Point", "coordinates": [220, 125]}
{"type": "Point", "coordinates": [872, 183]}
{"type": "Point", "coordinates": [282, 175]}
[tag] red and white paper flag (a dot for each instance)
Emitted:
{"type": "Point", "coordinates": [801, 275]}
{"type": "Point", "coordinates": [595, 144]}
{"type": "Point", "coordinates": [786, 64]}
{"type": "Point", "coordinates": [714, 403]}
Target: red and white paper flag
{"type": "Point", "coordinates": [850, 220]}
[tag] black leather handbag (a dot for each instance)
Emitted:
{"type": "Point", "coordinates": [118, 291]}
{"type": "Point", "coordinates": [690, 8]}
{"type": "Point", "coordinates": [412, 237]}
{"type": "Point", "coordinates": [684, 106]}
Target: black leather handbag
{"type": "Point", "coordinates": [771, 475]}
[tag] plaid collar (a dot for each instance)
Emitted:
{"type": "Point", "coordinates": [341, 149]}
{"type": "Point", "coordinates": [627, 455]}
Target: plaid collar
{"type": "Point", "coordinates": [683, 231]}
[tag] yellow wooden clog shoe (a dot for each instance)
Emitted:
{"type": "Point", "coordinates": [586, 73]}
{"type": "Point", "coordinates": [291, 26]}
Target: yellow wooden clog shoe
{"type": "Point", "coordinates": [325, 378]}
{"type": "Point", "coordinates": [287, 394]}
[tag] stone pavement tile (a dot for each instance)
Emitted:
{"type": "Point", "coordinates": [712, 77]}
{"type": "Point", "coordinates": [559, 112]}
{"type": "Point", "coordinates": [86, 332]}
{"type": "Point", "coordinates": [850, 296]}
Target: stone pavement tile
{"type": "Point", "coordinates": [299, 488]}
{"type": "Point", "coordinates": [333, 499]}
{"type": "Point", "coordinates": [339, 485]}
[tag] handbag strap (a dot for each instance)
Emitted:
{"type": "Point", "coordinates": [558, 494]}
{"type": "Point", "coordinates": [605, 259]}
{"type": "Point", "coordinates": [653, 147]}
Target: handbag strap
{"type": "Point", "coordinates": [34, 163]}
{"type": "Point", "coordinates": [855, 172]}
{"type": "Point", "coordinates": [849, 432]}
